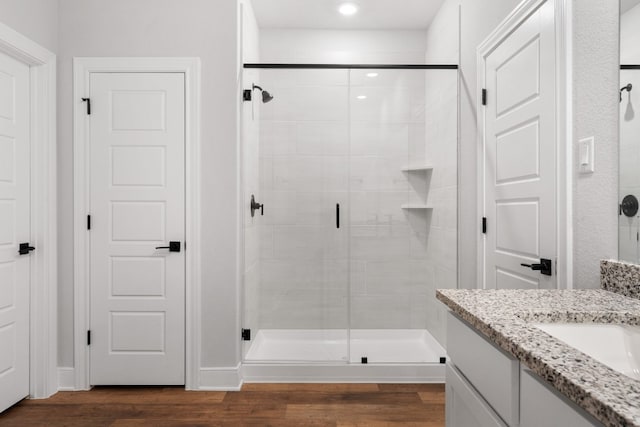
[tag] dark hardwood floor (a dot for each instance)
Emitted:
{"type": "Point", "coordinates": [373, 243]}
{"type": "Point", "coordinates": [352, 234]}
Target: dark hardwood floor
{"type": "Point", "coordinates": [343, 405]}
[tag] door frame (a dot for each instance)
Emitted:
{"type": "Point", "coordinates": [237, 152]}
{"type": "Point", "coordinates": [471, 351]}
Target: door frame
{"type": "Point", "coordinates": [43, 286]}
{"type": "Point", "coordinates": [82, 70]}
{"type": "Point", "coordinates": [564, 130]}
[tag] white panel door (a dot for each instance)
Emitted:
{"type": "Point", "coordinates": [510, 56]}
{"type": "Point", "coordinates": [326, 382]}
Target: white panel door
{"type": "Point", "coordinates": [520, 156]}
{"type": "Point", "coordinates": [137, 146]}
{"type": "Point", "coordinates": [14, 229]}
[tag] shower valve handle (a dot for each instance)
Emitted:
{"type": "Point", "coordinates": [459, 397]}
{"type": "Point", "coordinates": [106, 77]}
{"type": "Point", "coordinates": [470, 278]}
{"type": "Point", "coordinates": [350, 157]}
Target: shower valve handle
{"type": "Point", "coordinates": [255, 206]}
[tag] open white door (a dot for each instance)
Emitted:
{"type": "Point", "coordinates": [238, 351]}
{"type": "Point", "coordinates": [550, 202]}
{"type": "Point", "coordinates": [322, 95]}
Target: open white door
{"type": "Point", "coordinates": [137, 169]}
{"type": "Point", "coordinates": [15, 216]}
{"type": "Point", "coordinates": [520, 156]}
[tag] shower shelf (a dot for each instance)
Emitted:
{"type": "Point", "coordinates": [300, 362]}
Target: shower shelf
{"type": "Point", "coordinates": [413, 206]}
{"type": "Point", "coordinates": [422, 168]}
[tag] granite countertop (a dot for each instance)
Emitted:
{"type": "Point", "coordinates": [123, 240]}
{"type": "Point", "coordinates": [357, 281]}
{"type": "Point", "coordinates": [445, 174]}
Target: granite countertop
{"type": "Point", "coordinates": [505, 317]}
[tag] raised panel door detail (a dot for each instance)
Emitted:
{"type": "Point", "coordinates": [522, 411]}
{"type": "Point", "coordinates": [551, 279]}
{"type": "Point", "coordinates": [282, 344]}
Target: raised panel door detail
{"type": "Point", "coordinates": [518, 78]}
{"type": "Point", "coordinates": [137, 277]}
{"type": "Point", "coordinates": [15, 214]}
{"type": "Point", "coordinates": [7, 100]}
{"type": "Point", "coordinates": [7, 222]}
{"type": "Point", "coordinates": [513, 280]}
{"type": "Point", "coordinates": [138, 110]}
{"type": "Point", "coordinates": [7, 159]}
{"type": "Point", "coordinates": [138, 166]}
{"type": "Point", "coordinates": [517, 229]}
{"type": "Point", "coordinates": [137, 139]}
{"type": "Point", "coordinates": [138, 332]}
{"type": "Point", "coordinates": [518, 154]}
{"type": "Point", "coordinates": [138, 221]}
{"type": "Point", "coordinates": [7, 285]}
{"type": "Point", "coordinates": [8, 346]}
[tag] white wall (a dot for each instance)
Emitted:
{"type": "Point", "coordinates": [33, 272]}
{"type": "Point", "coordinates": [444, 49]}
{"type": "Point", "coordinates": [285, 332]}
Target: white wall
{"type": "Point", "coordinates": [478, 19]}
{"type": "Point", "coordinates": [342, 46]}
{"type": "Point", "coordinates": [441, 125]}
{"type": "Point", "coordinates": [199, 28]}
{"type": "Point", "coordinates": [596, 109]}
{"type": "Point", "coordinates": [36, 19]}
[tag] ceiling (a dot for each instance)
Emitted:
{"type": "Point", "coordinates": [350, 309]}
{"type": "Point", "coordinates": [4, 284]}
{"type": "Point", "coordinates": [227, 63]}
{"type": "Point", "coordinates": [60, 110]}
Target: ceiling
{"type": "Point", "coordinates": [625, 5]}
{"type": "Point", "coordinates": [323, 14]}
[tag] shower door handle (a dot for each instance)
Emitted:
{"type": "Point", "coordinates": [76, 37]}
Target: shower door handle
{"type": "Point", "coordinates": [337, 215]}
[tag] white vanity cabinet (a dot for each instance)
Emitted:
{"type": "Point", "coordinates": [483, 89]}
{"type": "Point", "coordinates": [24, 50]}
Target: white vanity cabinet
{"type": "Point", "coordinates": [541, 405]}
{"type": "Point", "coordinates": [486, 387]}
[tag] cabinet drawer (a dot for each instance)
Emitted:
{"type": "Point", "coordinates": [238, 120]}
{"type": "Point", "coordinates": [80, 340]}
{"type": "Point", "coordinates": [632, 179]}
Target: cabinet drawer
{"type": "Point", "coordinates": [465, 407]}
{"type": "Point", "coordinates": [542, 406]}
{"type": "Point", "coordinates": [491, 371]}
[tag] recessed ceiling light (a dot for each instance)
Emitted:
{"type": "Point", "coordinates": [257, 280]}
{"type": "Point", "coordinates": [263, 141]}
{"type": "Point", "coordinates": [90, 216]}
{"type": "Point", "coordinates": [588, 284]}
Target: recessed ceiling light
{"type": "Point", "coordinates": [372, 75]}
{"type": "Point", "coordinates": [362, 96]}
{"type": "Point", "coordinates": [348, 9]}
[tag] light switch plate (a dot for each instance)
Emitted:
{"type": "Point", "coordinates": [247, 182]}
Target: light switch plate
{"type": "Point", "coordinates": [586, 155]}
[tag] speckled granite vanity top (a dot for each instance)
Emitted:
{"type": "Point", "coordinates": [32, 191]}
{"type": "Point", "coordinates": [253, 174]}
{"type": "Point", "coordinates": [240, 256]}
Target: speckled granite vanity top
{"type": "Point", "coordinates": [505, 317]}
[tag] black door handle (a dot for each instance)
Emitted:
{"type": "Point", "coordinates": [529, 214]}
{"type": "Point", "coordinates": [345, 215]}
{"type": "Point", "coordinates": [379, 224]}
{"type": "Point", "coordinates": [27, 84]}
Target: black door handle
{"type": "Point", "coordinates": [173, 247]}
{"type": "Point", "coordinates": [25, 248]}
{"type": "Point", "coordinates": [545, 267]}
{"type": "Point", "coordinates": [337, 215]}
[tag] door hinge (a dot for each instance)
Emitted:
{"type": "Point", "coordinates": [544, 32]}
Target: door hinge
{"type": "Point", "coordinates": [89, 337]}
{"type": "Point", "coordinates": [88, 101]}
{"type": "Point", "coordinates": [88, 222]}
{"type": "Point", "coordinates": [484, 97]}
{"type": "Point", "coordinates": [246, 335]}
{"type": "Point", "coordinates": [484, 225]}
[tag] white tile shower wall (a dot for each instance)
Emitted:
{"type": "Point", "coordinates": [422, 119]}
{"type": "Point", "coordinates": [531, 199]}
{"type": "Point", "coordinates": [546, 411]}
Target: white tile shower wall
{"type": "Point", "coordinates": [306, 163]}
{"type": "Point", "coordinates": [629, 227]}
{"type": "Point", "coordinates": [307, 167]}
{"type": "Point", "coordinates": [387, 131]}
{"type": "Point", "coordinates": [304, 173]}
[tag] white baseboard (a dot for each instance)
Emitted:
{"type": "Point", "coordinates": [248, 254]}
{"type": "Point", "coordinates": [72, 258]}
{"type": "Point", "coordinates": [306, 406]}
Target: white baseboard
{"type": "Point", "coordinates": [220, 379]}
{"type": "Point", "coordinates": [66, 379]}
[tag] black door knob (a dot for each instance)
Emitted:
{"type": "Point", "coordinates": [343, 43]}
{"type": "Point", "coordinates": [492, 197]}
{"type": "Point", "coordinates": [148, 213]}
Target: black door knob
{"type": "Point", "coordinates": [173, 247]}
{"type": "Point", "coordinates": [25, 248]}
{"type": "Point", "coordinates": [545, 267]}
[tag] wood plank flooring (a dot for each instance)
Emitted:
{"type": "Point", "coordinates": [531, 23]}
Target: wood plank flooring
{"type": "Point", "coordinates": [339, 405]}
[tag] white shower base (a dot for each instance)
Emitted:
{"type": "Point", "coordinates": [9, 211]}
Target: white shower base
{"type": "Point", "coordinates": [393, 355]}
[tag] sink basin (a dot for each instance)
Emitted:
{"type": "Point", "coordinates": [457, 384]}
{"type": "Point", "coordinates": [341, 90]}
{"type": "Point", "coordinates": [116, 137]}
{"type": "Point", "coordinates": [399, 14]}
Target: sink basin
{"type": "Point", "coordinates": [614, 345]}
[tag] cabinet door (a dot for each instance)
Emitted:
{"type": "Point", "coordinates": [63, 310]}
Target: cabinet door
{"type": "Point", "coordinates": [540, 406]}
{"type": "Point", "coordinates": [465, 407]}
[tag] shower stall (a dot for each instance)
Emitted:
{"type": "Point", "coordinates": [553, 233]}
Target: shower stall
{"type": "Point", "coordinates": [350, 220]}
{"type": "Point", "coordinates": [629, 187]}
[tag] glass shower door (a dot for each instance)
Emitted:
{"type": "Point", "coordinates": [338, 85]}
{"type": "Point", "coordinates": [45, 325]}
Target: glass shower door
{"type": "Point", "coordinates": [403, 177]}
{"type": "Point", "coordinates": [296, 302]}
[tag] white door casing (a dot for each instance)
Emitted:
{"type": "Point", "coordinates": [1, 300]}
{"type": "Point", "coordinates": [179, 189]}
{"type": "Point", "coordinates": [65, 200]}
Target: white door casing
{"type": "Point", "coordinates": [83, 69]}
{"type": "Point", "coordinates": [519, 168]}
{"type": "Point", "coordinates": [137, 204]}
{"type": "Point", "coordinates": [15, 213]}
